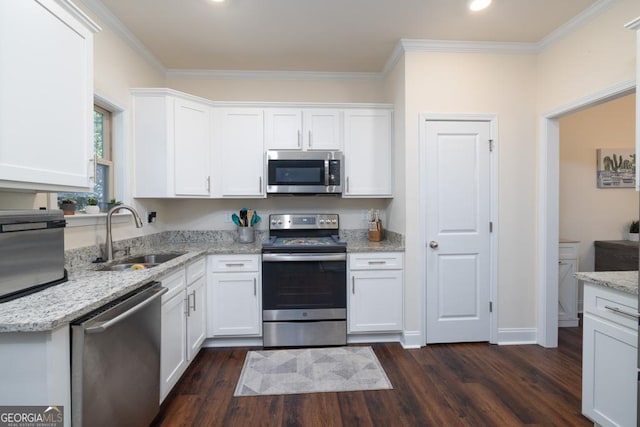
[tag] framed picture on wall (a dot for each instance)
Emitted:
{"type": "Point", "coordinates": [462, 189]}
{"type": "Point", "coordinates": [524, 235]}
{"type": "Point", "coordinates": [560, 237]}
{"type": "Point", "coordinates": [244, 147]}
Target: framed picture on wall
{"type": "Point", "coordinates": [616, 168]}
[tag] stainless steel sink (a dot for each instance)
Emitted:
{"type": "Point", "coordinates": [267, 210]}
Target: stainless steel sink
{"type": "Point", "coordinates": [127, 266]}
{"type": "Point", "coordinates": [140, 262]}
{"type": "Point", "coordinates": [151, 258]}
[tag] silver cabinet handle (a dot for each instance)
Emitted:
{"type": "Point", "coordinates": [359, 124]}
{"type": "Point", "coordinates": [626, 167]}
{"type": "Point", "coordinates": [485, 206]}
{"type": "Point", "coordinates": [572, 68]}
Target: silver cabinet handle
{"type": "Point", "coordinates": [347, 184]}
{"type": "Point", "coordinates": [376, 262]}
{"type": "Point", "coordinates": [353, 284]}
{"type": "Point", "coordinates": [299, 138]}
{"type": "Point", "coordinates": [255, 287]}
{"type": "Point", "coordinates": [433, 244]}
{"type": "Point", "coordinates": [259, 184]}
{"type": "Point", "coordinates": [237, 264]}
{"type": "Point", "coordinates": [624, 313]}
{"type": "Point", "coordinates": [209, 184]}
{"type": "Point", "coordinates": [310, 140]}
{"type": "Point", "coordinates": [194, 300]}
{"type": "Point", "coordinates": [94, 160]}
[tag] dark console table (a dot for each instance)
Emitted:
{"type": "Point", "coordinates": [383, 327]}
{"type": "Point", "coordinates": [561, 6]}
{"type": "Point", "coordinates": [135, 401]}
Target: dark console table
{"type": "Point", "coordinates": [616, 255]}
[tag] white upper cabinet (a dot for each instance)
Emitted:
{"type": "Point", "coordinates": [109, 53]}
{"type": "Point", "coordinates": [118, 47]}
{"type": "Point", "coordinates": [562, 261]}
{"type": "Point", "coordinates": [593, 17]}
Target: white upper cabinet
{"type": "Point", "coordinates": [239, 152]}
{"type": "Point", "coordinates": [46, 101]}
{"type": "Point", "coordinates": [303, 129]}
{"type": "Point", "coordinates": [172, 138]}
{"type": "Point", "coordinates": [368, 153]}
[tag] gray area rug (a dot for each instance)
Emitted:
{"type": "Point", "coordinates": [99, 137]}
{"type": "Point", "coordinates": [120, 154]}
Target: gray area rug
{"type": "Point", "coordinates": [311, 370]}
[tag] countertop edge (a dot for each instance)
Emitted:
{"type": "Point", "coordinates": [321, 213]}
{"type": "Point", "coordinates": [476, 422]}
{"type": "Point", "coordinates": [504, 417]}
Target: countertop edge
{"type": "Point", "coordinates": [623, 281]}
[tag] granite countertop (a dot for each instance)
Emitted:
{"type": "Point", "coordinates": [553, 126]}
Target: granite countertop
{"type": "Point", "coordinates": [623, 281]}
{"type": "Point", "coordinates": [88, 289]}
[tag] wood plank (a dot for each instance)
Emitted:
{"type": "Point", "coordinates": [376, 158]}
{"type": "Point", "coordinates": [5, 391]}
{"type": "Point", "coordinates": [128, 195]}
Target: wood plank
{"type": "Point", "coordinates": [449, 384]}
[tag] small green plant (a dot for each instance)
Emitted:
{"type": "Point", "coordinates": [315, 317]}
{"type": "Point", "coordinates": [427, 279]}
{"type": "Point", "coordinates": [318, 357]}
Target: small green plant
{"type": "Point", "coordinates": [634, 227]}
{"type": "Point", "coordinates": [92, 201]}
{"type": "Point", "coordinates": [115, 202]}
{"type": "Point", "coordinates": [67, 201]}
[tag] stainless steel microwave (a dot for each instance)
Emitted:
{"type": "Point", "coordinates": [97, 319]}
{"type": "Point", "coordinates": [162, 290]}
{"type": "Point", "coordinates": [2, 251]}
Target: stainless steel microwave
{"type": "Point", "coordinates": [304, 172]}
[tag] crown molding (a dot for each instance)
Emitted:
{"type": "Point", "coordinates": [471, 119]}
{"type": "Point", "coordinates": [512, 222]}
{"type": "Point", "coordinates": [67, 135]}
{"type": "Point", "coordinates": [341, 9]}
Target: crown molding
{"type": "Point", "coordinates": [633, 25]}
{"type": "Point", "coordinates": [269, 75]}
{"type": "Point", "coordinates": [79, 14]}
{"type": "Point", "coordinates": [574, 23]}
{"type": "Point", "coordinates": [105, 15]}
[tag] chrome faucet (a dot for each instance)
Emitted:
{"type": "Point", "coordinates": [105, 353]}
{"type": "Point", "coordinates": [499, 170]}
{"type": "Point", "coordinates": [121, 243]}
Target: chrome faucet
{"type": "Point", "coordinates": [109, 240]}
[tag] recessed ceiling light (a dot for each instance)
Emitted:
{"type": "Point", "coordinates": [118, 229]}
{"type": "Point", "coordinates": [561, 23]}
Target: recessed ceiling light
{"type": "Point", "coordinates": [476, 5]}
{"type": "Point", "coordinates": [218, 1]}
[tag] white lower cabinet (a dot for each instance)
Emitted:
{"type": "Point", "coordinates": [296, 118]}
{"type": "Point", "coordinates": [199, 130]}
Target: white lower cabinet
{"type": "Point", "coordinates": [375, 292]}
{"type": "Point", "coordinates": [183, 322]}
{"type": "Point", "coordinates": [235, 295]}
{"type": "Point", "coordinates": [609, 360]}
{"type": "Point", "coordinates": [567, 284]}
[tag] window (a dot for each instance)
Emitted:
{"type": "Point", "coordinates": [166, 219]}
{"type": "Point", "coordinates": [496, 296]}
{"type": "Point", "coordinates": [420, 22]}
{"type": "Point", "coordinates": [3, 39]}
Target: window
{"type": "Point", "coordinates": [103, 186]}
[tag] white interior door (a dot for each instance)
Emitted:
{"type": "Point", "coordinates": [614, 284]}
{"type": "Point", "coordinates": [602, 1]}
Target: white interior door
{"type": "Point", "coordinates": [458, 210]}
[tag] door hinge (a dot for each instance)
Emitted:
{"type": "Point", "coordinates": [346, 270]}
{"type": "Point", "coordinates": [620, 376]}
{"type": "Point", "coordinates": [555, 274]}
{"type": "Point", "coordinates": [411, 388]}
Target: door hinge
{"type": "Point", "coordinates": [490, 307]}
{"type": "Point", "coordinates": [490, 226]}
{"type": "Point", "coordinates": [491, 145]}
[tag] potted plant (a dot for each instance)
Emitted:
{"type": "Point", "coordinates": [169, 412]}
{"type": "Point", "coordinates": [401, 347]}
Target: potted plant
{"type": "Point", "coordinates": [634, 227]}
{"type": "Point", "coordinates": [92, 206]}
{"type": "Point", "coordinates": [112, 203]}
{"type": "Point", "coordinates": [68, 206]}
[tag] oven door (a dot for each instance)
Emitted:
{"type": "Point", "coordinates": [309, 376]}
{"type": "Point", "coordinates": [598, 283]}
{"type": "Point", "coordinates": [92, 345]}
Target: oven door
{"type": "Point", "coordinates": [304, 286]}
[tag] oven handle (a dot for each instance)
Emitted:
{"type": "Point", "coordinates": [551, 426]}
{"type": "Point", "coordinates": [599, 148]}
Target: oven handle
{"type": "Point", "coordinates": [303, 257]}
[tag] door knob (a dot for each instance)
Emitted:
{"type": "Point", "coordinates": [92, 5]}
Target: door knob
{"type": "Point", "coordinates": [433, 244]}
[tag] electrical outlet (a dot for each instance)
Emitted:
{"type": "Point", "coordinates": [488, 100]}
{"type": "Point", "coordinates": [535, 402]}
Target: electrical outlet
{"type": "Point", "coordinates": [151, 217]}
{"type": "Point", "coordinates": [227, 217]}
{"type": "Point", "coordinates": [364, 215]}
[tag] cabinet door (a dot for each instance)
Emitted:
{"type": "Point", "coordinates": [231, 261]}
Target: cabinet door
{"type": "Point", "coordinates": [567, 293]}
{"type": "Point", "coordinates": [192, 144]}
{"type": "Point", "coordinates": [321, 129]}
{"type": "Point", "coordinates": [283, 129]}
{"type": "Point", "coordinates": [173, 348]}
{"type": "Point", "coordinates": [196, 316]}
{"type": "Point", "coordinates": [368, 153]}
{"type": "Point", "coordinates": [609, 373]}
{"type": "Point", "coordinates": [239, 152]}
{"type": "Point", "coordinates": [375, 301]}
{"type": "Point", "coordinates": [236, 301]}
{"type": "Point", "coordinates": [46, 106]}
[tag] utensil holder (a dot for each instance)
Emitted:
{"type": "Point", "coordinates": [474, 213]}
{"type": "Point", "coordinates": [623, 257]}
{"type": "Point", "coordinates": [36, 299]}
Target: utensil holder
{"type": "Point", "coordinates": [375, 231]}
{"type": "Point", "coordinates": [246, 234]}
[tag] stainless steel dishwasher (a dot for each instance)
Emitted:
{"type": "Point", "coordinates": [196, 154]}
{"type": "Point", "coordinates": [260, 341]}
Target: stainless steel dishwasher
{"type": "Point", "coordinates": [115, 362]}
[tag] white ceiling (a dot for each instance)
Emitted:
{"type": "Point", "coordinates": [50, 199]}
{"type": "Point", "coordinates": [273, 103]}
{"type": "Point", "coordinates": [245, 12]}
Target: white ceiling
{"type": "Point", "coordinates": [324, 35]}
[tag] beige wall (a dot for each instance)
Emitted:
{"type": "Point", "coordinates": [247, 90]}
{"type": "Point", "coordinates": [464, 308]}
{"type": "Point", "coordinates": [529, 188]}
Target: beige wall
{"type": "Point", "coordinates": [479, 84]}
{"type": "Point", "coordinates": [595, 57]}
{"type": "Point", "coordinates": [279, 90]}
{"type": "Point", "coordinates": [589, 213]}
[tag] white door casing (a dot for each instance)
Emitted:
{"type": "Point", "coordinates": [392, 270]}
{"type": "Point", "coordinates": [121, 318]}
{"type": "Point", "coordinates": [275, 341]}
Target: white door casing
{"type": "Point", "coordinates": [460, 269]}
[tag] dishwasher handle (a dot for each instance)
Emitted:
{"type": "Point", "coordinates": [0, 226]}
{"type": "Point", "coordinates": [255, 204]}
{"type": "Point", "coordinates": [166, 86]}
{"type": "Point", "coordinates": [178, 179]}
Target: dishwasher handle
{"type": "Point", "coordinates": [156, 292]}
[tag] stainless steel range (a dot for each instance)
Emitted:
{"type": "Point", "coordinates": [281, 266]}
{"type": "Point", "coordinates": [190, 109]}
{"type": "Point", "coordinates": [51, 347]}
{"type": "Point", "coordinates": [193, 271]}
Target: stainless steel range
{"type": "Point", "coordinates": [304, 282]}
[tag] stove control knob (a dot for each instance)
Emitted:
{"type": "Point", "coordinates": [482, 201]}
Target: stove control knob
{"type": "Point", "coordinates": [279, 222]}
{"type": "Point", "coordinates": [322, 222]}
{"type": "Point", "coordinates": [333, 221]}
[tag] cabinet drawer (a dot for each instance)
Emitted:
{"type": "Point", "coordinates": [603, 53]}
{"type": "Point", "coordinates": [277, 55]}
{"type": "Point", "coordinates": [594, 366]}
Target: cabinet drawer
{"type": "Point", "coordinates": [603, 302]}
{"type": "Point", "coordinates": [568, 251]}
{"type": "Point", "coordinates": [175, 283]}
{"type": "Point", "coordinates": [376, 261]}
{"type": "Point", "coordinates": [196, 270]}
{"type": "Point", "coordinates": [234, 263]}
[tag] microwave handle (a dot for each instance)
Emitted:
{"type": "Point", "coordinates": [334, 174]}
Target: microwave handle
{"type": "Point", "coordinates": [326, 173]}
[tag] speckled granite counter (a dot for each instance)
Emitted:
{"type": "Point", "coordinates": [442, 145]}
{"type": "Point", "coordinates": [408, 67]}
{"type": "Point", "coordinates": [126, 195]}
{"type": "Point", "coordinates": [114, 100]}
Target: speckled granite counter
{"type": "Point", "coordinates": [623, 281]}
{"type": "Point", "coordinates": [88, 289]}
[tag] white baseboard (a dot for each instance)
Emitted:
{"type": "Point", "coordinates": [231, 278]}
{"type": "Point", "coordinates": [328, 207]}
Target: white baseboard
{"type": "Point", "coordinates": [412, 339]}
{"type": "Point", "coordinates": [373, 338]}
{"type": "Point", "coordinates": [517, 336]}
{"type": "Point", "coordinates": [233, 342]}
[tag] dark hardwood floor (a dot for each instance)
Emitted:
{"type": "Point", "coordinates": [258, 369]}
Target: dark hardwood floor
{"type": "Point", "coordinates": [438, 385]}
